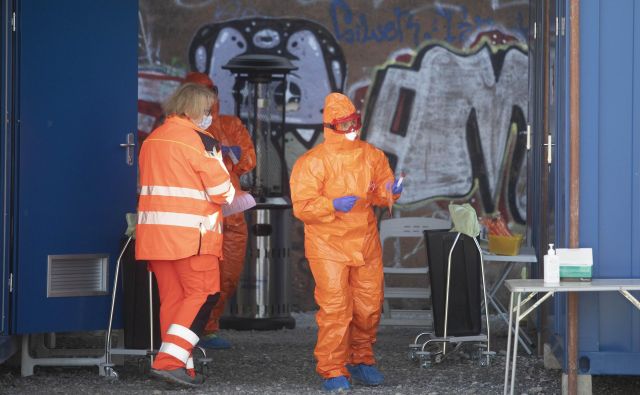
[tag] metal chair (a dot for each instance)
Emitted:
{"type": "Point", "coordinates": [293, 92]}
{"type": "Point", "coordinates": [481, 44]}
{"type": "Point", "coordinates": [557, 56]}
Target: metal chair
{"type": "Point", "coordinates": [412, 227]}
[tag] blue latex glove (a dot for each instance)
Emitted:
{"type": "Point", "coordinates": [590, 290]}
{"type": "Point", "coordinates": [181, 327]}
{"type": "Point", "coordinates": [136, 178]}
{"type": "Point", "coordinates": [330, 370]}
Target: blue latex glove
{"type": "Point", "coordinates": [345, 203]}
{"type": "Point", "coordinates": [396, 188]}
{"type": "Point", "coordinates": [233, 148]}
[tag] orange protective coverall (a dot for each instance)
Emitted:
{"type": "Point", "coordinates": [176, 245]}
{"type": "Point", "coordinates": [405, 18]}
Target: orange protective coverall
{"type": "Point", "coordinates": [343, 249]}
{"type": "Point", "coordinates": [183, 185]}
{"type": "Point", "coordinates": [229, 131]}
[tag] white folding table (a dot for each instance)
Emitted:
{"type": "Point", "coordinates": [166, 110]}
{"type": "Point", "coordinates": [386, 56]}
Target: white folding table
{"type": "Point", "coordinates": [526, 255]}
{"type": "Point", "coordinates": [533, 287]}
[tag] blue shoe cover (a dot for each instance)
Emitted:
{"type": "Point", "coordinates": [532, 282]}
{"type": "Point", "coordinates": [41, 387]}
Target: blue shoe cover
{"type": "Point", "coordinates": [214, 342]}
{"type": "Point", "coordinates": [339, 383]}
{"type": "Point", "coordinates": [365, 374]}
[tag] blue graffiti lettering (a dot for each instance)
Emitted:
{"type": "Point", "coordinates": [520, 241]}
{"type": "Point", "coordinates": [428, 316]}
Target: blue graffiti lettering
{"type": "Point", "coordinates": [447, 14]}
{"type": "Point", "coordinates": [352, 28]}
{"type": "Point", "coordinates": [355, 28]}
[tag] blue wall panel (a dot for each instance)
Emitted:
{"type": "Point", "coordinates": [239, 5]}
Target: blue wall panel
{"type": "Point", "coordinates": [609, 333]}
{"type": "Point", "coordinates": [614, 167]}
{"type": "Point", "coordinates": [635, 184]}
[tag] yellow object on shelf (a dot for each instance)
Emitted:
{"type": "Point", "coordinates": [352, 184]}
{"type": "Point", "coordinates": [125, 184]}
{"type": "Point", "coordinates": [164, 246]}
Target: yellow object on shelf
{"type": "Point", "coordinates": [505, 245]}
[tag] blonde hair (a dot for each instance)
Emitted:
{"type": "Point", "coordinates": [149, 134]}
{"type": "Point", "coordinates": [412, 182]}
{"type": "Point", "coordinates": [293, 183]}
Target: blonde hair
{"type": "Point", "coordinates": [192, 100]}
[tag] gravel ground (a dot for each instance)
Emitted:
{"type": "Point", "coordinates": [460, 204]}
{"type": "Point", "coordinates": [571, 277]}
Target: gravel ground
{"type": "Point", "coordinates": [281, 362]}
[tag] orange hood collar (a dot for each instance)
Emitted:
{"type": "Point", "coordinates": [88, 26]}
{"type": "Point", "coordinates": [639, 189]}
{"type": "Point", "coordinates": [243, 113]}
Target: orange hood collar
{"type": "Point", "coordinates": [337, 105]}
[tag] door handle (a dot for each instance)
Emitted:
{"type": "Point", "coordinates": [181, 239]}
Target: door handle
{"type": "Point", "coordinates": [549, 146]}
{"type": "Point", "coordinates": [130, 148]}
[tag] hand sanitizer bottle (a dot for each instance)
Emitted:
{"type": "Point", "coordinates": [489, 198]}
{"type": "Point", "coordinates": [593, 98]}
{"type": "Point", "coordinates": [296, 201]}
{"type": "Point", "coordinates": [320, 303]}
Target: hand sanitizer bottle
{"type": "Point", "coordinates": [551, 267]}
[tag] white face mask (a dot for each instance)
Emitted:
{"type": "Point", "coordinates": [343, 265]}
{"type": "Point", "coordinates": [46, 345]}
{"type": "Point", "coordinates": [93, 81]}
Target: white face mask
{"type": "Point", "coordinates": [205, 122]}
{"type": "Point", "coordinates": [351, 136]}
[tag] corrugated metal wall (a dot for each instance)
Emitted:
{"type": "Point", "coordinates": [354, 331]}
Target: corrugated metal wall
{"type": "Point", "coordinates": [609, 326]}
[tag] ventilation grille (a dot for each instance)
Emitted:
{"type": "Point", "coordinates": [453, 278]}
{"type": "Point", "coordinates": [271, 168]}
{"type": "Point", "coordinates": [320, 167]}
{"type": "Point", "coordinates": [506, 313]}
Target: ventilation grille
{"type": "Point", "coordinates": [77, 275]}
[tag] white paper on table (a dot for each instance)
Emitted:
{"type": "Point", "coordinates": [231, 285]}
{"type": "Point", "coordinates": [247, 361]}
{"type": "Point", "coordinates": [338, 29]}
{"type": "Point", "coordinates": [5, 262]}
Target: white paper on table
{"type": "Point", "coordinates": [242, 201]}
{"type": "Point", "coordinates": [575, 256]}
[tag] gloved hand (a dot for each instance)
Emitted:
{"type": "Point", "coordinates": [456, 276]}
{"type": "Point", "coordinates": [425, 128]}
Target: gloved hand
{"type": "Point", "coordinates": [345, 203]}
{"type": "Point", "coordinates": [396, 188]}
{"type": "Point", "coordinates": [233, 148]}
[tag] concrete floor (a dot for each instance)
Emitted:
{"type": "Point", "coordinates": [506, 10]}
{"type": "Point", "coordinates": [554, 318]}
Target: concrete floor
{"type": "Point", "coordinates": [281, 362]}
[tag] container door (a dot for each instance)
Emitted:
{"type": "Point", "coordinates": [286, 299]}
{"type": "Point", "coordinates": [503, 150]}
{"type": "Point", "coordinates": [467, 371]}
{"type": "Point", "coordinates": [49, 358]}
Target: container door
{"type": "Point", "coordinates": [6, 12]}
{"type": "Point", "coordinates": [547, 196]}
{"type": "Point", "coordinates": [74, 174]}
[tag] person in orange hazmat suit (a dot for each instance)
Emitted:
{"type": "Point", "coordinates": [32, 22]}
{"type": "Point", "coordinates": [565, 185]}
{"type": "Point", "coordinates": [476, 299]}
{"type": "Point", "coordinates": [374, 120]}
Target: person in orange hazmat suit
{"type": "Point", "coordinates": [333, 189]}
{"type": "Point", "coordinates": [183, 184]}
{"type": "Point", "coordinates": [240, 158]}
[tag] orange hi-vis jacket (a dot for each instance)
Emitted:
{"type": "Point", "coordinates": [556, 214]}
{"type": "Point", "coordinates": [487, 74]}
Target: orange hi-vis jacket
{"type": "Point", "coordinates": [183, 183]}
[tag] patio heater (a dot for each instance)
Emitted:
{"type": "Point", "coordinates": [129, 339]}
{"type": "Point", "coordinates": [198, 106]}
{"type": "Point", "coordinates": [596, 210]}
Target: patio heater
{"type": "Point", "coordinates": [262, 299]}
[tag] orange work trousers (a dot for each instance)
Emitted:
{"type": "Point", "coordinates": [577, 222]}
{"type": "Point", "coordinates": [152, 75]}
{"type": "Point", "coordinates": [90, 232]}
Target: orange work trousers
{"type": "Point", "coordinates": [189, 289]}
{"type": "Point", "coordinates": [234, 247]}
{"type": "Point", "coordinates": [350, 300]}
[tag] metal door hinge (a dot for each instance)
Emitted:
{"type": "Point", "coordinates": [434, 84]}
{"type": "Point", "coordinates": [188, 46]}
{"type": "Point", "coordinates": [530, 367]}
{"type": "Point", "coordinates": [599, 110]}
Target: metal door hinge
{"type": "Point", "coordinates": [549, 145]}
{"type": "Point", "coordinates": [10, 282]}
{"type": "Point", "coordinates": [13, 22]}
{"type": "Point", "coordinates": [535, 30]}
{"type": "Point", "coordinates": [557, 25]}
{"type": "Point", "coordinates": [528, 137]}
{"type": "Point", "coordinates": [563, 25]}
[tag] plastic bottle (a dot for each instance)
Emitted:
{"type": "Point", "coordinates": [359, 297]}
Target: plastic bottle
{"type": "Point", "coordinates": [551, 267]}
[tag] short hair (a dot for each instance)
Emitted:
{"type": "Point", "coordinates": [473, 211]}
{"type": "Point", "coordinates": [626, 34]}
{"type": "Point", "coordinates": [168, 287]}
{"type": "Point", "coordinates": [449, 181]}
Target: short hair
{"type": "Point", "coordinates": [190, 99]}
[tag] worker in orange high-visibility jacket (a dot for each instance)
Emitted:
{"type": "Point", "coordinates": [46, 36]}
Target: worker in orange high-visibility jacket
{"type": "Point", "coordinates": [333, 188]}
{"type": "Point", "coordinates": [183, 183]}
{"type": "Point", "coordinates": [239, 157]}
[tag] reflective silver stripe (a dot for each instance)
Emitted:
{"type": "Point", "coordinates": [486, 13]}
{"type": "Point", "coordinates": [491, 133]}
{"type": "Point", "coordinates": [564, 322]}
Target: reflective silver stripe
{"type": "Point", "coordinates": [158, 190]}
{"type": "Point", "coordinates": [183, 332]}
{"type": "Point", "coordinates": [175, 351]}
{"type": "Point", "coordinates": [173, 219]}
{"type": "Point", "coordinates": [205, 223]}
{"type": "Point", "coordinates": [220, 189]}
{"type": "Point", "coordinates": [190, 363]}
{"type": "Point", "coordinates": [212, 221]}
{"type": "Point", "coordinates": [230, 195]}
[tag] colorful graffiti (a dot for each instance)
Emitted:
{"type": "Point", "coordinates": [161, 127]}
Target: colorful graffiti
{"type": "Point", "coordinates": [406, 26]}
{"type": "Point", "coordinates": [442, 86]}
{"type": "Point", "coordinates": [452, 109]}
{"type": "Point", "coordinates": [446, 118]}
{"type": "Point", "coordinates": [320, 62]}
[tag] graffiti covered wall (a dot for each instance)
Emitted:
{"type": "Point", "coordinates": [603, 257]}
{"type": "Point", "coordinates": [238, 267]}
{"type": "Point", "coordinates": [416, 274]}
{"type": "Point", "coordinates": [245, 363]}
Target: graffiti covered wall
{"type": "Point", "coordinates": [442, 86]}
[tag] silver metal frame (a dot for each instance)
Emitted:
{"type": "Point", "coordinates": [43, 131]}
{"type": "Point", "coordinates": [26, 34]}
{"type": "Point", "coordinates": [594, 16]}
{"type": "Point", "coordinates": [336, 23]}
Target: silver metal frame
{"type": "Point", "coordinates": [418, 350]}
{"type": "Point", "coordinates": [484, 293]}
{"type": "Point", "coordinates": [533, 287]}
{"type": "Point", "coordinates": [526, 256]}
{"type": "Point", "coordinates": [106, 368]}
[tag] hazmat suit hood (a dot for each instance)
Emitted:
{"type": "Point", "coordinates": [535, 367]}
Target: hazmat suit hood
{"type": "Point", "coordinates": [203, 79]}
{"type": "Point", "coordinates": [336, 106]}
